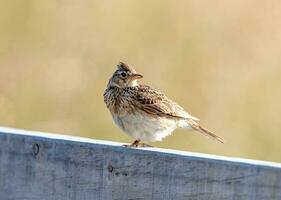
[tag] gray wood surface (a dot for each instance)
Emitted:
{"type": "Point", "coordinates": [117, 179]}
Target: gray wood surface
{"type": "Point", "coordinates": [41, 166]}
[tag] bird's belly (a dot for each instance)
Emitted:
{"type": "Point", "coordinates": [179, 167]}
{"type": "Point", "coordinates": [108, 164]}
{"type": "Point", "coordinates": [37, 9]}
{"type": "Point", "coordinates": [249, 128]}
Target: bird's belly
{"type": "Point", "coordinates": [145, 128]}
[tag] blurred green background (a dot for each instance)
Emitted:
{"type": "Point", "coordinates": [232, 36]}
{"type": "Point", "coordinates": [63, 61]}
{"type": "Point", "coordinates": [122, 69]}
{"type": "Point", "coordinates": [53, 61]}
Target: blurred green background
{"type": "Point", "coordinates": [221, 60]}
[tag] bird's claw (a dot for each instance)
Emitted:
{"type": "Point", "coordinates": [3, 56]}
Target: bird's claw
{"type": "Point", "coordinates": [137, 143]}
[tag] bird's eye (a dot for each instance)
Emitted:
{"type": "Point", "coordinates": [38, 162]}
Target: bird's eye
{"type": "Point", "coordinates": [123, 74]}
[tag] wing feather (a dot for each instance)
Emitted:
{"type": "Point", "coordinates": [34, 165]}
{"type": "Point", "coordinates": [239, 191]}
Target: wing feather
{"type": "Point", "coordinates": [156, 103]}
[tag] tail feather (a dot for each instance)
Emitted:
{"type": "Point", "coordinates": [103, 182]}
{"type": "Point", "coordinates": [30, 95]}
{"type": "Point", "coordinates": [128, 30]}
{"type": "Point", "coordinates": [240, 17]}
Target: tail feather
{"type": "Point", "coordinates": [204, 131]}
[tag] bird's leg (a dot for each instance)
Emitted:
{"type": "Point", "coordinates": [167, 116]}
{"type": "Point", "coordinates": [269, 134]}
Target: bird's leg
{"type": "Point", "coordinates": [137, 143]}
{"type": "Point", "coordinates": [134, 144]}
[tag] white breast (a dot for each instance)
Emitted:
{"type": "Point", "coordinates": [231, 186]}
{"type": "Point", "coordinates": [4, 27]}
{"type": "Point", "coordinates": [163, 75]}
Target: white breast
{"type": "Point", "coordinates": [145, 128]}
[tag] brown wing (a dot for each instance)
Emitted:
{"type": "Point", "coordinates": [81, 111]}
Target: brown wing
{"type": "Point", "coordinates": [155, 103]}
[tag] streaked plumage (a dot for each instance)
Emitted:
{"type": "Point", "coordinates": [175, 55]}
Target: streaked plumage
{"type": "Point", "coordinates": [143, 112]}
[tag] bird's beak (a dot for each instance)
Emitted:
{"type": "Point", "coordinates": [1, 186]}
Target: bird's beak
{"type": "Point", "coordinates": [135, 76]}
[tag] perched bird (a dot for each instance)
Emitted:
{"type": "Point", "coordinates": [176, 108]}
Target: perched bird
{"type": "Point", "coordinates": [143, 112]}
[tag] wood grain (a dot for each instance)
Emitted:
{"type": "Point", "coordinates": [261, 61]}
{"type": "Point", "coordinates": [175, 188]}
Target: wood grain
{"type": "Point", "coordinates": [40, 166]}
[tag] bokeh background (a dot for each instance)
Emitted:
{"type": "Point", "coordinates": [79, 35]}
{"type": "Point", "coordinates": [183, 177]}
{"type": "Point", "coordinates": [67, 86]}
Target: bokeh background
{"type": "Point", "coordinates": [221, 60]}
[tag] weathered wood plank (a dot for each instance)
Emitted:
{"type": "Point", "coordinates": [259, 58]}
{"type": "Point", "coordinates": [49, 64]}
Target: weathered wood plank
{"type": "Point", "coordinates": [47, 166]}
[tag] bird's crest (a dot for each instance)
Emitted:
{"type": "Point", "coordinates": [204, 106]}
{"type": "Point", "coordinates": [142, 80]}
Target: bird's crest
{"type": "Point", "coordinates": [126, 67]}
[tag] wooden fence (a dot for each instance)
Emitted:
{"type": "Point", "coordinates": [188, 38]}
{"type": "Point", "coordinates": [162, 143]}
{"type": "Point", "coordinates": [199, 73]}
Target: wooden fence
{"type": "Point", "coordinates": [42, 166]}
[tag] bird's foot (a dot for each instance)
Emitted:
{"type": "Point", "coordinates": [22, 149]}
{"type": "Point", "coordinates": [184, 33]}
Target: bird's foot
{"type": "Point", "coordinates": [144, 145]}
{"type": "Point", "coordinates": [137, 143]}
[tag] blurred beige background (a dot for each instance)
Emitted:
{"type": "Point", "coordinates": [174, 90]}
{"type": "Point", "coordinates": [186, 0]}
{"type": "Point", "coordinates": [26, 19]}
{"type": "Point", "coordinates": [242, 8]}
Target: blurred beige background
{"type": "Point", "coordinates": [221, 60]}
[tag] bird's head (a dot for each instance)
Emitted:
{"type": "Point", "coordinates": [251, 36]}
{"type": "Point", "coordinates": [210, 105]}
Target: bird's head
{"type": "Point", "coordinates": [124, 76]}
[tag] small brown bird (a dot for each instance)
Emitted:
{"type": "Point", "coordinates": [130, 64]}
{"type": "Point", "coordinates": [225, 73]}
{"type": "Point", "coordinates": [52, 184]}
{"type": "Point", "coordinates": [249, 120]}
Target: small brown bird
{"type": "Point", "coordinates": [143, 112]}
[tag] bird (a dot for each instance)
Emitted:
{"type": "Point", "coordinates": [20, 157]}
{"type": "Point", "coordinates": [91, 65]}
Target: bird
{"type": "Point", "coordinates": [143, 112]}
